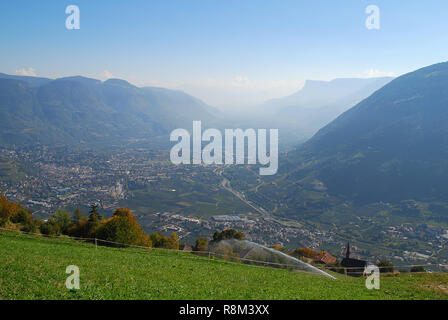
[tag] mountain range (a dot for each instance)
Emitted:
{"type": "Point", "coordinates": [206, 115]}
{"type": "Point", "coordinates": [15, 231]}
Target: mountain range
{"type": "Point", "coordinates": [79, 110]}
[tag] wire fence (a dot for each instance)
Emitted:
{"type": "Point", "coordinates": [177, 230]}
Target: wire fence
{"type": "Point", "coordinates": [190, 254]}
{"type": "Point", "coordinates": [440, 268]}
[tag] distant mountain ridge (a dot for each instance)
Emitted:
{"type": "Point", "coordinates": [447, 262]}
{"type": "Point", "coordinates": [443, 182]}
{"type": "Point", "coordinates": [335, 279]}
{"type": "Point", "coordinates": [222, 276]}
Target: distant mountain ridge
{"type": "Point", "coordinates": [318, 94]}
{"type": "Point", "coordinates": [34, 81]}
{"type": "Point", "coordinates": [392, 146]}
{"type": "Point", "coordinates": [318, 103]}
{"type": "Point", "coordinates": [79, 110]}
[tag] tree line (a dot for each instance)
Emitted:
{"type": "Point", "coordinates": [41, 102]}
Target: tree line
{"type": "Point", "coordinates": [120, 229]}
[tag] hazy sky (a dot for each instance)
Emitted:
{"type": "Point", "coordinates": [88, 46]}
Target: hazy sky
{"type": "Point", "coordinates": [225, 52]}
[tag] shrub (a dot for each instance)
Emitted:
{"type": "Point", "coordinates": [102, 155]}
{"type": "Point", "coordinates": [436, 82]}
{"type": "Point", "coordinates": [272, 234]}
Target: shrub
{"type": "Point", "coordinates": [161, 241]}
{"type": "Point", "coordinates": [63, 219]}
{"type": "Point", "coordinates": [79, 229]}
{"type": "Point", "coordinates": [23, 217]}
{"type": "Point", "coordinates": [25, 221]}
{"type": "Point", "coordinates": [418, 269]}
{"type": "Point", "coordinates": [279, 247]}
{"type": "Point", "coordinates": [201, 245]}
{"type": "Point", "coordinates": [227, 235]}
{"type": "Point", "coordinates": [50, 228]}
{"type": "Point", "coordinates": [385, 266]}
{"type": "Point", "coordinates": [33, 226]}
{"type": "Point", "coordinates": [303, 252]}
{"type": "Point", "coordinates": [336, 267]}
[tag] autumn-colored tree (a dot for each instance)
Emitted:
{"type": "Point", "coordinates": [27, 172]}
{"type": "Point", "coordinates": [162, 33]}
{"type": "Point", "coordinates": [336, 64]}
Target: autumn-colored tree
{"type": "Point", "coordinates": [80, 225]}
{"type": "Point", "coordinates": [24, 221]}
{"type": "Point", "coordinates": [303, 252]}
{"type": "Point", "coordinates": [279, 248]}
{"type": "Point", "coordinates": [22, 217]}
{"type": "Point", "coordinates": [8, 210]}
{"type": "Point", "coordinates": [161, 241]}
{"type": "Point", "coordinates": [123, 227]}
{"type": "Point", "coordinates": [201, 245]}
{"type": "Point", "coordinates": [175, 240]}
{"type": "Point", "coordinates": [13, 215]}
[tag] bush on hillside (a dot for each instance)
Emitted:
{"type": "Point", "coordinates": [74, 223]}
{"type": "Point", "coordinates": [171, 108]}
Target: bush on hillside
{"type": "Point", "coordinates": [385, 266]}
{"type": "Point", "coordinates": [8, 210]}
{"type": "Point", "coordinates": [303, 252]}
{"type": "Point", "coordinates": [63, 219]}
{"type": "Point", "coordinates": [201, 245]}
{"type": "Point", "coordinates": [23, 217]}
{"type": "Point", "coordinates": [24, 220]}
{"type": "Point", "coordinates": [279, 247]}
{"type": "Point", "coordinates": [418, 269]}
{"type": "Point", "coordinates": [161, 241]}
{"type": "Point", "coordinates": [79, 226]}
{"type": "Point", "coordinates": [227, 235]}
{"type": "Point", "coordinates": [14, 216]}
{"type": "Point", "coordinates": [50, 228]}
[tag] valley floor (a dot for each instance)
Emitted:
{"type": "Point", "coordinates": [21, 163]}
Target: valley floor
{"type": "Point", "coordinates": [33, 267]}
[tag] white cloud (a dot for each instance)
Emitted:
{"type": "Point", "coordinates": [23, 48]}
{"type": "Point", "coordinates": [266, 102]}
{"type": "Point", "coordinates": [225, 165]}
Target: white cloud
{"type": "Point", "coordinates": [26, 72]}
{"type": "Point", "coordinates": [375, 73]}
{"type": "Point", "coordinates": [108, 74]}
{"type": "Point", "coordinates": [240, 80]}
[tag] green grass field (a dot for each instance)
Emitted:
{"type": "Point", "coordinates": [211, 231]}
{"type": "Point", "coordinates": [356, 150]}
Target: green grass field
{"type": "Point", "coordinates": [33, 267]}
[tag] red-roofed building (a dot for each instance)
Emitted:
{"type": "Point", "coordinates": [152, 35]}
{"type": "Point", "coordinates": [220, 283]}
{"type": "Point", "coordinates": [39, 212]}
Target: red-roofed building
{"type": "Point", "coordinates": [325, 258]}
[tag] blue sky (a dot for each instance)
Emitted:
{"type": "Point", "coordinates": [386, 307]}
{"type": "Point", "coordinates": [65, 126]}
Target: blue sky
{"type": "Point", "coordinates": [225, 52]}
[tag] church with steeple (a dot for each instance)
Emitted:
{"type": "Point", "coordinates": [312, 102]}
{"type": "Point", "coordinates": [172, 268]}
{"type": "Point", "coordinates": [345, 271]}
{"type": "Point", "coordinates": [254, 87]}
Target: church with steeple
{"type": "Point", "coordinates": [354, 267]}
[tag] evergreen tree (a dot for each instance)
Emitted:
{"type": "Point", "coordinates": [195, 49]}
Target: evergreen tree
{"type": "Point", "coordinates": [94, 216]}
{"type": "Point", "coordinates": [94, 220]}
{"type": "Point", "coordinates": [77, 216]}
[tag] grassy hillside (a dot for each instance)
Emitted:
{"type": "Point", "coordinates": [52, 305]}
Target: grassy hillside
{"type": "Point", "coordinates": [33, 267]}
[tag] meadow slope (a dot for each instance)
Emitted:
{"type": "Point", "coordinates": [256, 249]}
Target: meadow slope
{"type": "Point", "coordinates": [33, 267]}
